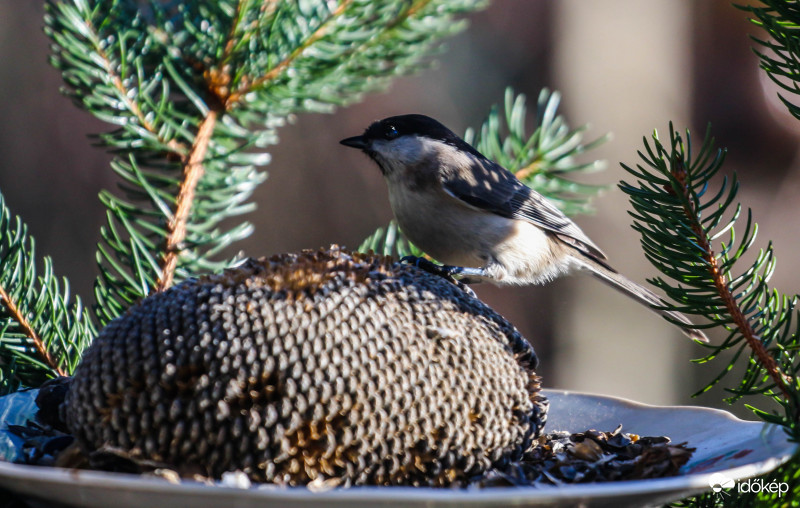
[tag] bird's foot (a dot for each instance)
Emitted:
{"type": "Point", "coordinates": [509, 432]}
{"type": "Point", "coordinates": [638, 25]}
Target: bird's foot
{"type": "Point", "coordinates": [445, 271]}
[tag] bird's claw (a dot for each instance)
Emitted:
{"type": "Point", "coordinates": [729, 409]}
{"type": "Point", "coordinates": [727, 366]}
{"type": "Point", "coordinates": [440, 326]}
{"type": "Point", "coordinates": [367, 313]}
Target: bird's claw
{"type": "Point", "coordinates": [445, 271]}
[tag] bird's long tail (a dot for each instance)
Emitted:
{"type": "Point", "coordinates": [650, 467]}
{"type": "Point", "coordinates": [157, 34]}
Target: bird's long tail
{"type": "Point", "coordinates": [642, 295]}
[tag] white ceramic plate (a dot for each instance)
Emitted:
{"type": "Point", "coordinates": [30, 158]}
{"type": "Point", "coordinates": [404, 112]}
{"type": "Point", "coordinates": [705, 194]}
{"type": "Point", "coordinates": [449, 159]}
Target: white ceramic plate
{"type": "Point", "coordinates": [725, 445]}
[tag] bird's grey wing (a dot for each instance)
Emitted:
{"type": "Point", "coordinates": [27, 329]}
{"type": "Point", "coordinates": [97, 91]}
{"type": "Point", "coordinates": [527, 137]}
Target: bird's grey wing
{"type": "Point", "coordinates": [488, 186]}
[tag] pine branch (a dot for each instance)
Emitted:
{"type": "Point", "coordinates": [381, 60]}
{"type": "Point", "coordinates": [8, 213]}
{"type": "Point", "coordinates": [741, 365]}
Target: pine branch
{"type": "Point", "coordinates": [193, 171]}
{"type": "Point", "coordinates": [42, 333]}
{"type": "Point", "coordinates": [720, 280]}
{"type": "Point", "coordinates": [679, 220]}
{"type": "Point", "coordinates": [541, 160]}
{"type": "Point", "coordinates": [195, 88]}
{"type": "Point", "coordinates": [15, 314]}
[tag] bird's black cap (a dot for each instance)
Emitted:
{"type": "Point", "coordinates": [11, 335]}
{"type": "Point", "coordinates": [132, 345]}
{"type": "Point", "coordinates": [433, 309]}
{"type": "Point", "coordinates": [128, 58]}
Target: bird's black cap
{"type": "Point", "coordinates": [409, 125]}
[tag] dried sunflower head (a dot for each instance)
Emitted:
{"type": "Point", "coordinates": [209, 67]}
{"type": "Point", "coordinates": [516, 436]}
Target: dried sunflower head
{"type": "Point", "coordinates": [316, 366]}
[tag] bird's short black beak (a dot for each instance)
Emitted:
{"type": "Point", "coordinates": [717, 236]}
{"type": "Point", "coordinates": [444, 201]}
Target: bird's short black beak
{"type": "Point", "coordinates": [355, 142]}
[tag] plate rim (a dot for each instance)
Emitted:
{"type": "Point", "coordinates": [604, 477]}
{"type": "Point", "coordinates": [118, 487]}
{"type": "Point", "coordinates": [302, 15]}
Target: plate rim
{"type": "Point", "coordinates": [636, 403]}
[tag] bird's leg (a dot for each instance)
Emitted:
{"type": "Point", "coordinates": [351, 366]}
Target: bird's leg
{"type": "Point", "coordinates": [458, 275]}
{"type": "Point", "coordinates": [429, 266]}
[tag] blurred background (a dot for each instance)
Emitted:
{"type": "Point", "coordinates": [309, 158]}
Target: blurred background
{"type": "Point", "coordinates": [624, 66]}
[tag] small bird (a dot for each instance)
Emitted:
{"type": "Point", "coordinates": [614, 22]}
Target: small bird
{"type": "Point", "coordinates": [475, 216]}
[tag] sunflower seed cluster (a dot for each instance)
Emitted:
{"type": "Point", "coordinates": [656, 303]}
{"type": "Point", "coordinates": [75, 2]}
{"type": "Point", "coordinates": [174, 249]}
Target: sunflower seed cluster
{"type": "Point", "coordinates": [320, 366]}
{"type": "Point", "coordinates": [561, 458]}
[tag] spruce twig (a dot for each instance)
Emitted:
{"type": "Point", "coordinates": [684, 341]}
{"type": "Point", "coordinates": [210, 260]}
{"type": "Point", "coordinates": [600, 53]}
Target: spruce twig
{"type": "Point", "coordinates": [679, 219]}
{"type": "Point", "coordinates": [781, 60]}
{"type": "Point", "coordinates": [722, 283]}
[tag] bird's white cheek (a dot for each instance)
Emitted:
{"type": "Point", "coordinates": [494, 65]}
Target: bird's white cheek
{"type": "Point", "coordinates": [400, 153]}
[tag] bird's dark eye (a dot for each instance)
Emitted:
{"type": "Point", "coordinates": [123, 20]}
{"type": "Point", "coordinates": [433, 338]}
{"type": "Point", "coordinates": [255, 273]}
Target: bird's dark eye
{"type": "Point", "coordinates": [391, 132]}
